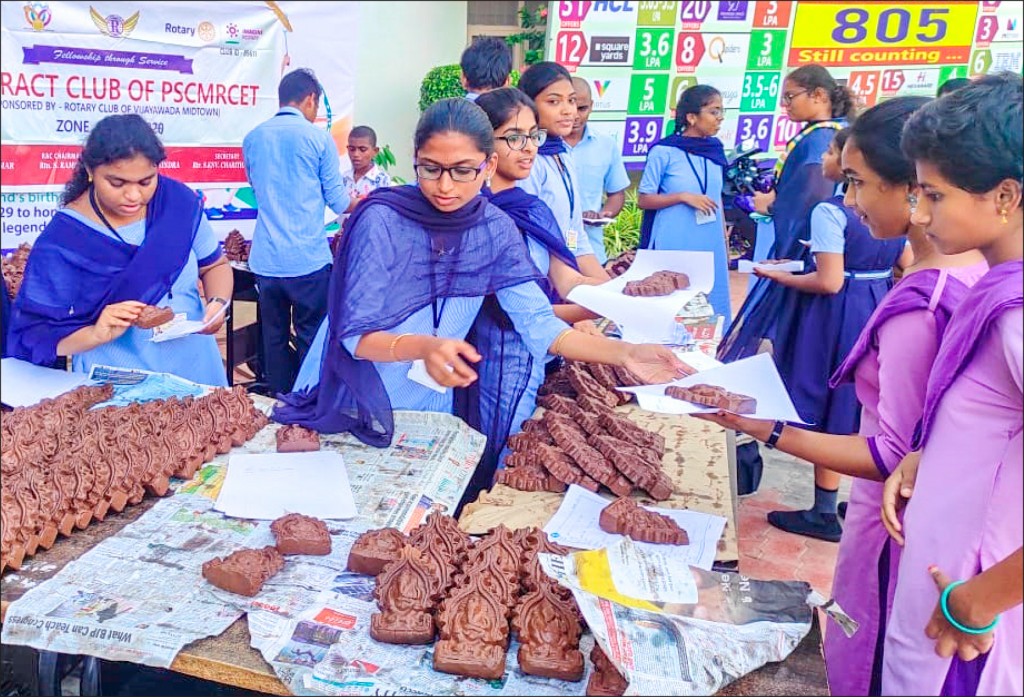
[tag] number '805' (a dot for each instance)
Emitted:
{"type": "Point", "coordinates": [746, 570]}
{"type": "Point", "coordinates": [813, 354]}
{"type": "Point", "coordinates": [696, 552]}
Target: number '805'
{"type": "Point", "coordinates": [892, 25]}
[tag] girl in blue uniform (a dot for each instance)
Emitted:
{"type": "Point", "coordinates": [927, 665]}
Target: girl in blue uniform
{"type": "Point", "coordinates": [681, 188]}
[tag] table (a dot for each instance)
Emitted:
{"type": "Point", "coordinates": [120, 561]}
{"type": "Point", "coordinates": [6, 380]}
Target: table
{"type": "Point", "coordinates": [697, 455]}
{"type": "Point", "coordinates": [228, 659]}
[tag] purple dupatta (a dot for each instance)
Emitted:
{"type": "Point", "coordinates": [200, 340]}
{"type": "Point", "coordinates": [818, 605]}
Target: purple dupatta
{"type": "Point", "coordinates": [998, 291]}
{"type": "Point", "coordinates": [909, 295]}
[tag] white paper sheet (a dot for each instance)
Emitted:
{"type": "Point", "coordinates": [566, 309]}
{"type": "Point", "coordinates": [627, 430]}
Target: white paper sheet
{"type": "Point", "coordinates": [658, 575]}
{"type": "Point", "coordinates": [747, 266]}
{"type": "Point", "coordinates": [698, 360]}
{"type": "Point", "coordinates": [649, 319]}
{"type": "Point", "coordinates": [25, 384]}
{"type": "Point", "coordinates": [756, 377]}
{"type": "Point", "coordinates": [576, 524]}
{"type": "Point", "coordinates": [267, 486]}
{"type": "Point", "coordinates": [176, 330]}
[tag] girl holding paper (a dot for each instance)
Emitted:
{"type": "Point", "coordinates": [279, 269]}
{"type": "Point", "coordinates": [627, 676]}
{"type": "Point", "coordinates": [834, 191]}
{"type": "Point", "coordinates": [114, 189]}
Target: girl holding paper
{"type": "Point", "coordinates": [423, 268]}
{"type": "Point", "coordinates": [681, 188]}
{"type": "Point", "coordinates": [126, 237]}
{"type": "Point", "coordinates": [889, 365]}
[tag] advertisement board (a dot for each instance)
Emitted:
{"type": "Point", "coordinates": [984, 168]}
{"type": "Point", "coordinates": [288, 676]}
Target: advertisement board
{"type": "Point", "coordinates": [638, 57]}
{"type": "Point", "coordinates": [202, 75]}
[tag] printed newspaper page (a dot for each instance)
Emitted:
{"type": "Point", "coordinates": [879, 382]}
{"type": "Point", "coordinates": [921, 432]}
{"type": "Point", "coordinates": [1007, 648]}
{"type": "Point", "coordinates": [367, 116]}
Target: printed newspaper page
{"type": "Point", "coordinates": [667, 647]}
{"type": "Point", "coordinates": [311, 622]}
{"type": "Point", "coordinates": [139, 595]}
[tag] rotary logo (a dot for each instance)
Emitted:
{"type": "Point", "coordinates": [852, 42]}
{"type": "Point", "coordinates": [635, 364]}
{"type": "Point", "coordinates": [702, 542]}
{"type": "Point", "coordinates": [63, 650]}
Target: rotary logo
{"type": "Point", "coordinates": [207, 31]}
{"type": "Point", "coordinates": [114, 26]}
{"type": "Point", "coordinates": [38, 15]}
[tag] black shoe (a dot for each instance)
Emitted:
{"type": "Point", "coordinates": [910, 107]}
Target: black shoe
{"type": "Point", "coordinates": [841, 510]}
{"type": "Point", "coordinates": [818, 525]}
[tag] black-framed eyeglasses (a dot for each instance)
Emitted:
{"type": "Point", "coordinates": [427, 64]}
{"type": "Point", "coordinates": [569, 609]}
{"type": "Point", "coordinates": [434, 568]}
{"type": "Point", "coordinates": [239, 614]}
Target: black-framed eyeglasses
{"type": "Point", "coordinates": [460, 173]}
{"type": "Point", "coordinates": [517, 141]}
{"type": "Point", "coordinates": [788, 97]}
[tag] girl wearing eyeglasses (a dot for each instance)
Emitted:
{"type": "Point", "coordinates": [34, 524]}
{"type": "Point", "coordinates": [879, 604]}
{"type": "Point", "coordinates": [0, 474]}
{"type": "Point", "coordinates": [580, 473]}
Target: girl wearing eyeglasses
{"type": "Point", "coordinates": [553, 175]}
{"type": "Point", "coordinates": [517, 138]}
{"type": "Point", "coordinates": [810, 95]}
{"type": "Point", "coordinates": [422, 269]}
{"type": "Point", "coordinates": [681, 188]}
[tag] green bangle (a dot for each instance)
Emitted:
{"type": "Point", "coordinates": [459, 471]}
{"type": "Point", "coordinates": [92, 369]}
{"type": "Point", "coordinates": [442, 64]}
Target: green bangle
{"type": "Point", "coordinates": [944, 604]}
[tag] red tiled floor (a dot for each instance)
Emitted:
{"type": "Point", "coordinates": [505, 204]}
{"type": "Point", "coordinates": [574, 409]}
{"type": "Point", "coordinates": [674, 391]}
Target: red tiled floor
{"type": "Point", "coordinates": [766, 552]}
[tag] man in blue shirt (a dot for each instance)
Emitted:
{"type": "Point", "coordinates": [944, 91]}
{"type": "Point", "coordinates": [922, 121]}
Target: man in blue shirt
{"type": "Point", "coordinates": [599, 170]}
{"type": "Point", "coordinates": [293, 169]}
{"type": "Point", "coordinates": [486, 65]}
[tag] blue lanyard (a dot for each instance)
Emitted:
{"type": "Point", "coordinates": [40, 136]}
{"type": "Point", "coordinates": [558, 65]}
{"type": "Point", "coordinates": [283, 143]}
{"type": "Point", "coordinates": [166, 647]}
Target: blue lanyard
{"type": "Point", "coordinates": [437, 313]}
{"type": "Point", "coordinates": [567, 183]}
{"type": "Point", "coordinates": [702, 184]}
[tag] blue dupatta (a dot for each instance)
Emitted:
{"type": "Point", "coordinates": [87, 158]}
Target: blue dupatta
{"type": "Point", "coordinates": [74, 271]}
{"type": "Point", "coordinates": [380, 279]}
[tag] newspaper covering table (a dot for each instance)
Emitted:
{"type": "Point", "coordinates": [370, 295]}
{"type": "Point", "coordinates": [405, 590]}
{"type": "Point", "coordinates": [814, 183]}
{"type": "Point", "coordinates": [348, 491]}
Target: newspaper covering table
{"type": "Point", "coordinates": [311, 623]}
{"type": "Point", "coordinates": [139, 596]}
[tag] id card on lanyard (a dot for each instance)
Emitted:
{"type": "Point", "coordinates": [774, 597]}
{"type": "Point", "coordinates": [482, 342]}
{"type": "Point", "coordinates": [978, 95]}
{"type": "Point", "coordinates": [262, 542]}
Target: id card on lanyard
{"type": "Point", "coordinates": [572, 236]}
{"type": "Point", "coordinates": [418, 370]}
{"type": "Point", "coordinates": [702, 217]}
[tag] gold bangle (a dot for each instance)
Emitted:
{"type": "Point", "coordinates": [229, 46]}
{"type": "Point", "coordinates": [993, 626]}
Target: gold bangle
{"type": "Point", "coordinates": [394, 343]}
{"type": "Point", "coordinates": [558, 342]}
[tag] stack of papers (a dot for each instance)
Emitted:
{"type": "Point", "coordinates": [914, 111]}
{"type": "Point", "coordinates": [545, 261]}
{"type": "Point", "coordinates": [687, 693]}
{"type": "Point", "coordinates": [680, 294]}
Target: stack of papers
{"type": "Point", "coordinates": [268, 486]}
{"type": "Point", "coordinates": [649, 320]}
{"type": "Point", "coordinates": [747, 266]}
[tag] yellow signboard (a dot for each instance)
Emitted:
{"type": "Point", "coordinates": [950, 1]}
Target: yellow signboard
{"type": "Point", "coordinates": [908, 33]}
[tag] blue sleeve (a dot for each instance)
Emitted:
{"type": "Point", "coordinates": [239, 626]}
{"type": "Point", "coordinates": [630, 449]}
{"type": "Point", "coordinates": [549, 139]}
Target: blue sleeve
{"type": "Point", "coordinates": [206, 246]}
{"type": "Point", "coordinates": [533, 184]}
{"type": "Point", "coordinates": [616, 179]}
{"type": "Point", "coordinates": [654, 171]}
{"type": "Point", "coordinates": [350, 342]}
{"type": "Point", "coordinates": [330, 176]}
{"type": "Point", "coordinates": [532, 316]}
{"type": "Point", "coordinates": [828, 229]}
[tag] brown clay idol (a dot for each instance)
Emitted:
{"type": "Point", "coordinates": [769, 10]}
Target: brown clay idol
{"type": "Point", "coordinates": [713, 396]}
{"type": "Point", "coordinates": [624, 517]}
{"type": "Point", "coordinates": [406, 593]}
{"type": "Point", "coordinates": [606, 680]}
{"type": "Point", "coordinates": [301, 534]}
{"type": "Point", "coordinates": [374, 550]}
{"type": "Point", "coordinates": [549, 634]}
{"type": "Point", "coordinates": [243, 572]}
{"type": "Point", "coordinates": [152, 316]}
{"type": "Point", "coordinates": [474, 633]}
{"type": "Point", "coordinates": [297, 439]}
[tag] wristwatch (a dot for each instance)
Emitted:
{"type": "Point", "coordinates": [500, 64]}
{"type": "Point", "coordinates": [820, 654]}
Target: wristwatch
{"type": "Point", "coordinates": [776, 434]}
{"type": "Point", "coordinates": [218, 299]}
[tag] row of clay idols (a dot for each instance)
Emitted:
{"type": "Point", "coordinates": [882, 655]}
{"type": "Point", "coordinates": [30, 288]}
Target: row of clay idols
{"type": "Point", "coordinates": [246, 570]}
{"type": "Point", "coordinates": [14, 268]}
{"type": "Point", "coordinates": [65, 465]}
{"type": "Point", "coordinates": [436, 581]}
{"type": "Point", "coordinates": [569, 445]}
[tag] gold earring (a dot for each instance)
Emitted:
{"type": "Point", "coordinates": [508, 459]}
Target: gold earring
{"type": "Point", "coordinates": [1004, 213]}
{"type": "Point", "coordinates": [90, 179]}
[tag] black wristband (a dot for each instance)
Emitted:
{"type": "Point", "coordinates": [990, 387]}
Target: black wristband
{"type": "Point", "coordinates": [776, 434]}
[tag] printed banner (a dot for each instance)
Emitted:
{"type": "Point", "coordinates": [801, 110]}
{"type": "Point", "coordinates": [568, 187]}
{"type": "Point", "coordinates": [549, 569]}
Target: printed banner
{"type": "Point", "coordinates": [638, 57]}
{"type": "Point", "coordinates": [203, 76]}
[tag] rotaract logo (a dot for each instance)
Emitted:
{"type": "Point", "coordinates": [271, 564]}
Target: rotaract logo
{"type": "Point", "coordinates": [38, 15]}
{"type": "Point", "coordinates": [114, 26]}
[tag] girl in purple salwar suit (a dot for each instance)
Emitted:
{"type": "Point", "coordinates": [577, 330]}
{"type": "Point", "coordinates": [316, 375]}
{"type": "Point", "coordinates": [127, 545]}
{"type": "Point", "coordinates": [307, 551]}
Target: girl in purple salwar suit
{"type": "Point", "coordinates": [956, 621]}
{"type": "Point", "coordinates": [889, 365]}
